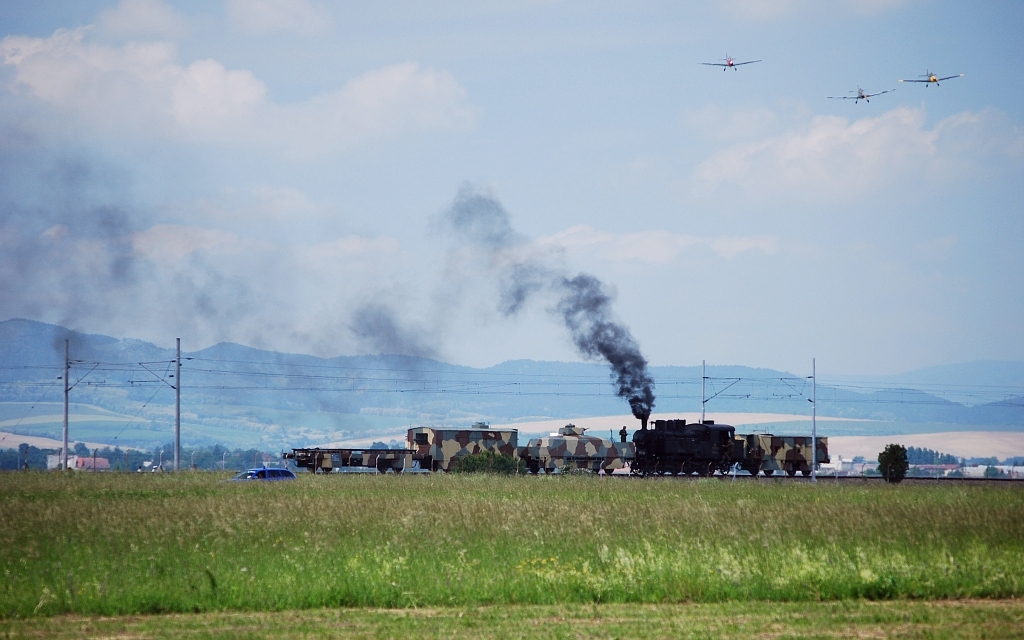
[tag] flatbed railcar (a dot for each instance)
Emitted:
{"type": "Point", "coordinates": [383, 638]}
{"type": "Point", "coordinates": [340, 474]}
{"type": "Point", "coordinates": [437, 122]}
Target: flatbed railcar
{"type": "Point", "coordinates": [428, 449]}
{"type": "Point", "coordinates": [317, 460]}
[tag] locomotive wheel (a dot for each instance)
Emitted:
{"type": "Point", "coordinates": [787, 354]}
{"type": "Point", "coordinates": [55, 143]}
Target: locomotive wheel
{"type": "Point", "coordinates": [806, 472]}
{"type": "Point", "coordinates": [791, 472]}
{"type": "Point", "coordinates": [753, 472]}
{"type": "Point", "coordinates": [769, 472]}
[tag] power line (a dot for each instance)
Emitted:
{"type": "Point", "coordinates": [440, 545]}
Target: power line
{"type": "Point", "coordinates": [142, 407]}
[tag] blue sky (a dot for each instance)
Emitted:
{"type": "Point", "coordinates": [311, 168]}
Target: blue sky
{"type": "Point", "coordinates": [257, 171]}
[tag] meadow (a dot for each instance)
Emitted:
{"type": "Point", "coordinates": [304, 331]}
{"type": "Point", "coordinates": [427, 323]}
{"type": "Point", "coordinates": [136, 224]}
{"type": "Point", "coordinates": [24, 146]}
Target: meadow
{"type": "Point", "coordinates": [127, 544]}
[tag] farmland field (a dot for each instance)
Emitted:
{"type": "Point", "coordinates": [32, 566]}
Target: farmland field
{"type": "Point", "coordinates": [130, 544]}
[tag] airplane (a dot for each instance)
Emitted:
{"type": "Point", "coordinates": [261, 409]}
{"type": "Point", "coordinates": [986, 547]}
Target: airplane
{"type": "Point", "coordinates": [930, 78]}
{"type": "Point", "coordinates": [728, 63]}
{"type": "Point", "coordinates": [860, 95]}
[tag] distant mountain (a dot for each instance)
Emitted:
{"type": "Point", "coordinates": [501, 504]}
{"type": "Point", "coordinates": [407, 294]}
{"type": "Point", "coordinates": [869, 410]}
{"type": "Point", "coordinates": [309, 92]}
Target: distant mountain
{"type": "Point", "coordinates": [967, 383]}
{"type": "Point", "coordinates": [237, 394]}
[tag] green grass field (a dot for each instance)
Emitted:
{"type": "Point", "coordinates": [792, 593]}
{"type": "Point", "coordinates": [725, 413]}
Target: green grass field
{"type": "Point", "coordinates": [118, 544]}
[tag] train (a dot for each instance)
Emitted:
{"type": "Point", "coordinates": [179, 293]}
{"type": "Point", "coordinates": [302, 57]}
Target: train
{"type": "Point", "coordinates": [668, 447]}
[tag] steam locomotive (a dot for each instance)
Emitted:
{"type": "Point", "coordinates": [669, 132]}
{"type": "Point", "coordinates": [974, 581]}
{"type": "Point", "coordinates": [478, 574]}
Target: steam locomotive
{"type": "Point", "coordinates": [704, 448]}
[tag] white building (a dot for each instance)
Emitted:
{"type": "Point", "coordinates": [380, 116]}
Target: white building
{"type": "Point", "coordinates": [53, 461]}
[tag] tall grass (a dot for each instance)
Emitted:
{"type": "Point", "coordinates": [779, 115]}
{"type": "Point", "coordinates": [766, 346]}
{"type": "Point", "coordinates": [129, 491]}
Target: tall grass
{"type": "Point", "coordinates": [134, 543]}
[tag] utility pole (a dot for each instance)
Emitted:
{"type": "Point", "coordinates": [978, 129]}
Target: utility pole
{"type": "Point", "coordinates": [177, 408]}
{"type": "Point", "coordinates": [814, 421]}
{"type": "Point", "coordinates": [703, 377]}
{"type": "Point", "coordinates": [67, 365]}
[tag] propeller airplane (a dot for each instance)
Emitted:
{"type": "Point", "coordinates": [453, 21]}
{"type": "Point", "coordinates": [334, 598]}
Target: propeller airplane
{"type": "Point", "coordinates": [931, 78]}
{"type": "Point", "coordinates": [860, 95]}
{"type": "Point", "coordinates": [728, 63]}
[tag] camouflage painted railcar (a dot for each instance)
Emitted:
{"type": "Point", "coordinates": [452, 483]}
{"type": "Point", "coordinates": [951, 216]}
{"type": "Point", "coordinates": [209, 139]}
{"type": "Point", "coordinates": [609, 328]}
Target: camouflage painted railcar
{"type": "Point", "coordinates": [571, 448]}
{"type": "Point", "coordinates": [675, 447]}
{"type": "Point", "coordinates": [436, 449]}
{"type": "Point", "coordinates": [326, 460]}
{"type": "Point", "coordinates": [783, 454]}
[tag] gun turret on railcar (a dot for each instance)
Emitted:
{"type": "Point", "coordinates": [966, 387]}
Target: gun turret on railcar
{"type": "Point", "coordinates": [571, 448]}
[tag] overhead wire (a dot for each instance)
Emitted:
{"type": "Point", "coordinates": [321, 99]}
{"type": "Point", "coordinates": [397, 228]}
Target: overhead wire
{"type": "Point", "coordinates": [139, 412]}
{"type": "Point", "coordinates": [499, 383]}
{"type": "Point", "coordinates": [38, 400]}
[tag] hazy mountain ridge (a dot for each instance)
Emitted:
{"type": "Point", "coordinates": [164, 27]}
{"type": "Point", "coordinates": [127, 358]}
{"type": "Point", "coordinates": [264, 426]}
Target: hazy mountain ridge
{"type": "Point", "coordinates": [280, 399]}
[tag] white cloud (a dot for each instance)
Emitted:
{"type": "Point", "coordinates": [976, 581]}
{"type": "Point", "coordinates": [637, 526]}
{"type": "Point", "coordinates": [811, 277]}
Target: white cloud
{"type": "Point", "coordinates": [349, 246]}
{"type": "Point", "coordinates": [142, 17]}
{"type": "Point", "coordinates": [833, 158]}
{"type": "Point", "coordinates": [656, 246]}
{"type": "Point", "coordinates": [139, 90]}
{"type": "Point", "coordinates": [401, 98]}
{"type": "Point", "coordinates": [772, 9]}
{"type": "Point", "coordinates": [168, 244]}
{"type": "Point", "coordinates": [207, 95]}
{"type": "Point", "coordinates": [285, 203]}
{"type": "Point", "coordinates": [259, 17]}
{"type": "Point", "coordinates": [730, 123]}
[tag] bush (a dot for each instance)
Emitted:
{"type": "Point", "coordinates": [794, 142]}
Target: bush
{"type": "Point", "coordinates": [892, 463]}
{"type": "Point", "coordinates": [488, 462]}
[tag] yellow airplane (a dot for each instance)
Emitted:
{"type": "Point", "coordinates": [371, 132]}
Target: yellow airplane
{"type": "Point", "coordinates": [931, 78]}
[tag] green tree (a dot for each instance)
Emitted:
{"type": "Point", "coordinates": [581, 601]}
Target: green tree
{"type": "Point", "coordinates": [892, 463]}
{"type": "Point", "coordinates": [488, 462]}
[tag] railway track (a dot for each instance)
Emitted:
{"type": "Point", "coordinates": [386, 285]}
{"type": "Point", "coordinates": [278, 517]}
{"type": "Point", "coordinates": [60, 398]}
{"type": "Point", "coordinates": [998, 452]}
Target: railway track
{"type": "Point", "coordinates": [837, 479]}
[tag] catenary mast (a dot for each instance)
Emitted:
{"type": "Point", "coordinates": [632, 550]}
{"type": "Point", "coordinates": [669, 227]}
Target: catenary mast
{"type": "Point", "coordinates": [177, 408]}
{"type": "Point", "coordinates": [814, 421]}
{"type": "Point", "coordinates": [64, 450]}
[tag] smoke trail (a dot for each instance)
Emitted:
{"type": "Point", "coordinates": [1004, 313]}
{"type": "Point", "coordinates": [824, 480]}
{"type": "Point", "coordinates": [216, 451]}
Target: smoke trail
{"type": "Point", "coordinates": [68, 253]}
{"type": "Point", "coordinates": [377, 327]}
{"type": "Point", "coordinates": [481, 219]}
{"type": "Point", "coordinates": [584, 306]}
{"type": "Point", "coordinates": [586, 309]}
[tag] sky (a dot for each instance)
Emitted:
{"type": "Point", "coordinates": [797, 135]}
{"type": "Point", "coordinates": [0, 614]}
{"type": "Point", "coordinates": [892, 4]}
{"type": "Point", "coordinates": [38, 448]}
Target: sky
{"type": "Point", "coordinates": [284, 174]}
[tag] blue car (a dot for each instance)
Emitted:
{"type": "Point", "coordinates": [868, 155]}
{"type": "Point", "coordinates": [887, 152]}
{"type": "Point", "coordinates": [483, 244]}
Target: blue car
{"type": "Point", "coordinates": [265, 473]}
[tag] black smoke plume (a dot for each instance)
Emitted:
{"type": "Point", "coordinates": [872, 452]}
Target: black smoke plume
{"type": "Point", "coordinates": [377, 327]}
{"type": "Point", "coordinates": [583, 304]}
{"type": "Point", "coordinates": [586, 309]}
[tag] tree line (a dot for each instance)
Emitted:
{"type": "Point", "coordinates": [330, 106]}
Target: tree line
{"type": "Point", "coordinates": [215, 458]}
